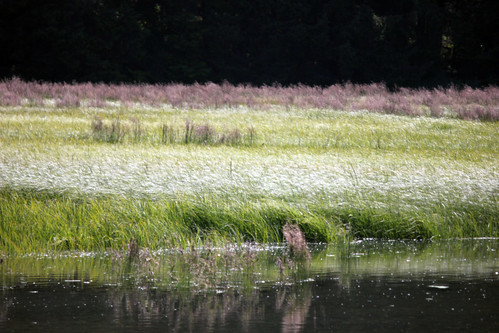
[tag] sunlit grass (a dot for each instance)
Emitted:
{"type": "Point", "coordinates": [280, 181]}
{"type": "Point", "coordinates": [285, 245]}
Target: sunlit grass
{"type": "Point", "coordinates": [336, 174]}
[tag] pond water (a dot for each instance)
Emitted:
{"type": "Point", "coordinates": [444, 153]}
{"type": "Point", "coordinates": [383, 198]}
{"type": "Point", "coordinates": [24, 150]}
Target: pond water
{"type": "Point", "coordinates": [440, 286]}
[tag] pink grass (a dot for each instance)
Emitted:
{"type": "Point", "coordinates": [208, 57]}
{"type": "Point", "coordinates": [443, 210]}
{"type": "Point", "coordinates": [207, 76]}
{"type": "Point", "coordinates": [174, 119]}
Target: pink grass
{"type": "Point", "coordinates": [466, 103]}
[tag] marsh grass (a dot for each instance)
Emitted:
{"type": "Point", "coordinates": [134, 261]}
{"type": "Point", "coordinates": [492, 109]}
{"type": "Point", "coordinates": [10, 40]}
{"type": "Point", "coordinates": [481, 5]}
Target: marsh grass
{"type": "Point", "coordinates": [35, 221]}
{"type": "Point", "coordinates": [85, 177]}
{"type": "Point", "coordinates": [111, 133]}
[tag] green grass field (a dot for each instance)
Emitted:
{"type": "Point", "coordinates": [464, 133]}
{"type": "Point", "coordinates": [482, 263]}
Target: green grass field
{"type": "Point", "coordinates": [92, 178]}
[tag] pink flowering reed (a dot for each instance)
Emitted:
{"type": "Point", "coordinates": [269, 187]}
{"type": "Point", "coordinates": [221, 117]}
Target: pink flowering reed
{"type": "Point", "coordinates": [465, 103]}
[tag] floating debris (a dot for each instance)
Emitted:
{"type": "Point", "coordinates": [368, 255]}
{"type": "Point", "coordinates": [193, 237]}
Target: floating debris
{"type": "Point", "coordinates": [437, 286]}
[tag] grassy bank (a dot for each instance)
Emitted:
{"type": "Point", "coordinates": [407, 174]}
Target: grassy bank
{"type": "Point", "coordinates": [93, 177]}
{"type": "Point", "coordinates": [34, 221]}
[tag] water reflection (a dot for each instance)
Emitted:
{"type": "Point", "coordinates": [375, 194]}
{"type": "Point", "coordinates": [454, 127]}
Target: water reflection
{"type": "Point", "coordinates": [376, 286]}
{"type": "Point", "coordinates": [295, 309]}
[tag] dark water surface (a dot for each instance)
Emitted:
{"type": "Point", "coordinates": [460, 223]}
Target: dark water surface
{"type": "Point", "coordinates": [445, 286]}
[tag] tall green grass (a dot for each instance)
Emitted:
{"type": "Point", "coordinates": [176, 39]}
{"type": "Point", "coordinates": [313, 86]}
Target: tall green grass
{"type": "Point", "coordinates": [33, 221]}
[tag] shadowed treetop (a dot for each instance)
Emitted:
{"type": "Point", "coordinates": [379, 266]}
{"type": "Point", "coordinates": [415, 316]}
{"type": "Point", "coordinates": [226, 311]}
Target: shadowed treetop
{"type": "Point", "coordinates": [320, 42]}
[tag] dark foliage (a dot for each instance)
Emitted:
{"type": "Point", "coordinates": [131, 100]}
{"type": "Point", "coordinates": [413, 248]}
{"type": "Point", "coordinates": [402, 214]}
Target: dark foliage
{"type": "Point", "coordinates": [320, 42]}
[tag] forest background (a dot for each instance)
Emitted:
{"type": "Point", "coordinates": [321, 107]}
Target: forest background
{"type": "Point", "coordinates": [410, 43]}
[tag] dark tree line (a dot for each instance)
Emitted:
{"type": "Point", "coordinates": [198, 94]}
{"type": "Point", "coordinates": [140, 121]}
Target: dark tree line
{"type": "Point", "coordinates": [404, 42]}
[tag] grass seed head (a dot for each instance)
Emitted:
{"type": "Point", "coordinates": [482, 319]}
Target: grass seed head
{"type": "Point", "coordinates": [296, 241]}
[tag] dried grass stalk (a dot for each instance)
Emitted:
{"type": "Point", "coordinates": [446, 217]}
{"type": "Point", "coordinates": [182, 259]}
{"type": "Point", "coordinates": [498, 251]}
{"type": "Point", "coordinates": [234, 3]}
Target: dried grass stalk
{"type": "Point", "coordinates": [296, 240]}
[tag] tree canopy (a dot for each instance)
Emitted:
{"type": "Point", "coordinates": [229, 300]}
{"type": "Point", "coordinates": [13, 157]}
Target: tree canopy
{"type": "Point", "coordinates": [319, 42]}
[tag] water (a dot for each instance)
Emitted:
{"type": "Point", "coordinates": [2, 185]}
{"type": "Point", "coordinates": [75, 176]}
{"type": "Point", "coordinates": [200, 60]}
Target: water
{"type": "Point", "coordinates": [445, 286]}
